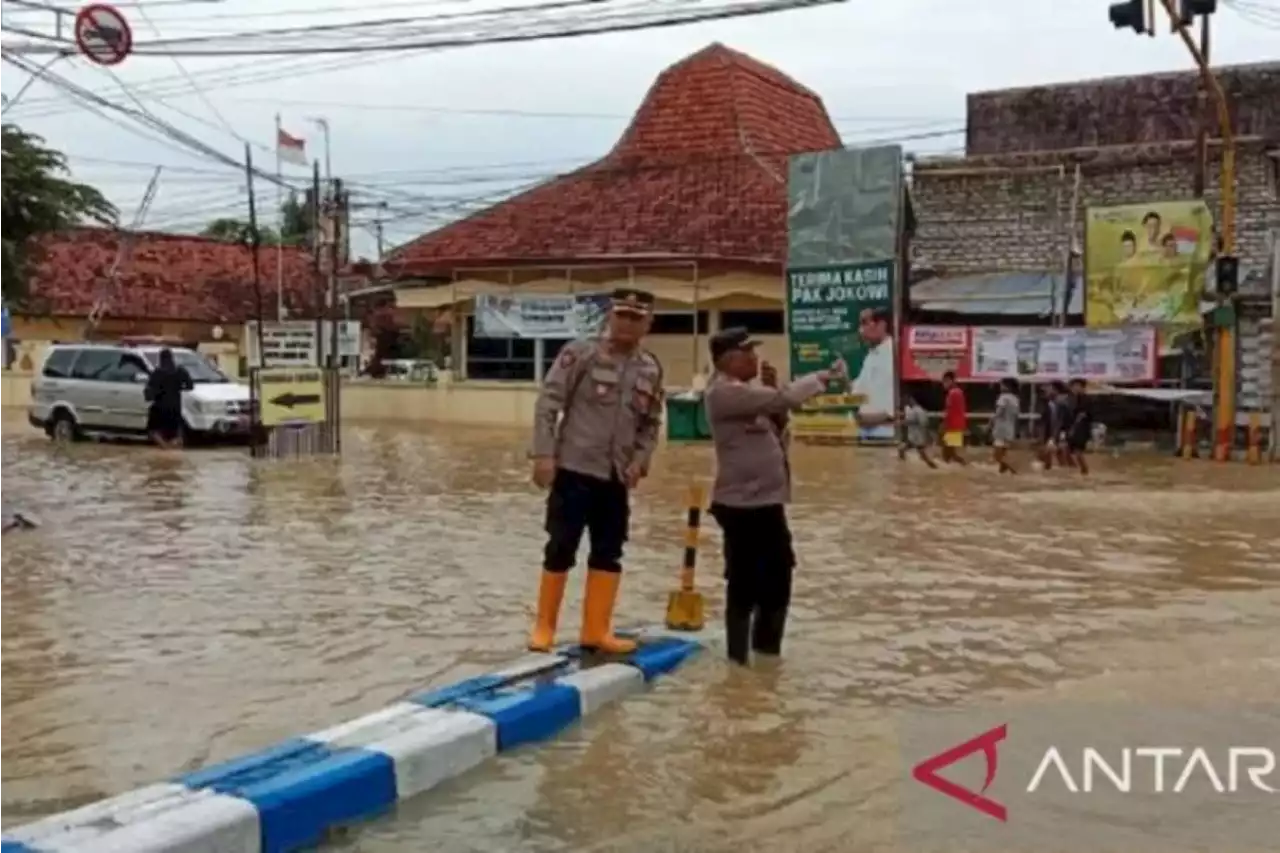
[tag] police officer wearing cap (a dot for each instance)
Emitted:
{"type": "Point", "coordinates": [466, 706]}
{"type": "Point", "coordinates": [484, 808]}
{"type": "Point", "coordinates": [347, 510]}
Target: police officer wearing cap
{"type": "Point", "coordinates": [596, 427]}
{"type": "Point", "coordinates": [748, 422]}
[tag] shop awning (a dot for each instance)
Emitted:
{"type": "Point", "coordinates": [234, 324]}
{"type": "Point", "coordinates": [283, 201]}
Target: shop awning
{"type": "Point", "coordinates": [1034, 294]}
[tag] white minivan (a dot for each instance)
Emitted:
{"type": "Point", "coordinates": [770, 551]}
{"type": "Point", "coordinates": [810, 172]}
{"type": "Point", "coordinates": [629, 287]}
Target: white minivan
{"type": "Point", "coordinates": [97, 390]}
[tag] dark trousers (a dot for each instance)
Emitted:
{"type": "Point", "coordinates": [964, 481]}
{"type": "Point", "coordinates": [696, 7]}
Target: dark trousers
{"type": "Point", "coordinates": [165, 419]}
{"type": "Point", "coordinates": [758, 565]}
{"type": "Point", "coordinates": [580, 503]}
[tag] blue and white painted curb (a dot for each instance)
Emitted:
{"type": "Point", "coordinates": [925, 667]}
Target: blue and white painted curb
{"type": "Point", "coordinates": [287, 797]}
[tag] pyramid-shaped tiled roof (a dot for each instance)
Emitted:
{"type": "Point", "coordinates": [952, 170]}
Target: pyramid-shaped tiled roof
{"type": "Point", "coordinates": [700, 173]}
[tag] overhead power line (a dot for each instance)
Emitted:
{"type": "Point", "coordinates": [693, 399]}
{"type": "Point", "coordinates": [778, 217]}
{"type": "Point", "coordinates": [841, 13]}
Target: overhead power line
{"type": "Point", "coordinates": [502, 26]}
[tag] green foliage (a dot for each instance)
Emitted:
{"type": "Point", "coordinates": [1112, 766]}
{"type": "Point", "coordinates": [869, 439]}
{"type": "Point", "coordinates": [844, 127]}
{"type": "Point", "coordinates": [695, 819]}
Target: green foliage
{"type": "Point", "coordinates": [293, 216]}
{"type": "Point", "coordinates": [39, 198]}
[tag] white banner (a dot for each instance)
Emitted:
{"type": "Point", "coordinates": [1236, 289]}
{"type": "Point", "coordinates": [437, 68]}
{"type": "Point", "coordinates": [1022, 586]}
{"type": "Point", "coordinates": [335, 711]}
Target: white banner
{"type": "Point", "coordinates": [540, 316]}
{"type": "Point", "coordinates": [293, 343]}
{"type": "Point", "coordinates": [1042, 355]}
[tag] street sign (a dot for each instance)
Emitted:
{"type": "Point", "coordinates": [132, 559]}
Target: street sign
{"type": "Point", "coordinates": [102, 34]}
{"type": "Point", "coordinates": [293, 342]}
{"type": "Point", "coordinates": [291, 397]}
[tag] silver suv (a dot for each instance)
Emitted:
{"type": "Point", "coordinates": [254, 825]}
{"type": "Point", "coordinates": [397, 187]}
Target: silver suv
{"type": "Point", "coordinates": [98, 390]}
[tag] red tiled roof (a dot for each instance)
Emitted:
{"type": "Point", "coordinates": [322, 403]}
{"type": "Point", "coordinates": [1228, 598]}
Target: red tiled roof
{"type": "Point", "coordinates": [164, 277]}
{"type": "Point", "coordinates": [701, 171]}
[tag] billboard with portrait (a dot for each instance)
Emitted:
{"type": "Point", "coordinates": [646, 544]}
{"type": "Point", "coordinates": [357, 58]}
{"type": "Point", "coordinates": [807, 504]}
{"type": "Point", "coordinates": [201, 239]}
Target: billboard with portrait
{"type": "Point", "coordinates": [1145, 263]}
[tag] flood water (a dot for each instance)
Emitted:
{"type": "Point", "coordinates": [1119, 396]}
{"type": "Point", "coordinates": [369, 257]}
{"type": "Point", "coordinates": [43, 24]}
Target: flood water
{"type": "Point", "coordinates": [178, 609]}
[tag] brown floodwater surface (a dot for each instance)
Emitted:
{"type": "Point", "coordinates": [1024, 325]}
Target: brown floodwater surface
{"type": "Point", "coordinates": [177, 609]}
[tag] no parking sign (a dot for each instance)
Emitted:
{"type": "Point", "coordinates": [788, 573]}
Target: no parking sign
{"type": "Point", "coordinates": [102, 34]}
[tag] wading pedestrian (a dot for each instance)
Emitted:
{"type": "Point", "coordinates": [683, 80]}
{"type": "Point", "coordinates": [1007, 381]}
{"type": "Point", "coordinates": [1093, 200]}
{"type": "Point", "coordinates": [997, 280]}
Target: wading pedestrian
{"type": "Point", "coordinates": [596, 427]}
{"type": "Point", "coordinates": [164, 392]}
{"type": "Point", "coordinates": [752, 487]}
{"type": "Point", "coordinates": [915, 431]}
{"type": "Point", "coordinates": [955, 420]}
{"type": "Point", "coordinates": [1004, 424]}
{"type": "Point", "coordinates": [1080, 430]}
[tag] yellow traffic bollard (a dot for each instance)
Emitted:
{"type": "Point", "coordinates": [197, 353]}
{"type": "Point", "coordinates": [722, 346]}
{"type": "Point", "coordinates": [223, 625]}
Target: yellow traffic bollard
{"type": "Point", "coordinates": [684, 606]}
{"type": "Point", "coordinates": [1253, 452]}
{"type": "Point", "coordinates": [1188, 435]}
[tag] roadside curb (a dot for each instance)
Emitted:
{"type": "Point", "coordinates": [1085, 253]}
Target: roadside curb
{"type": "Point", "coordinates": [289, 796]}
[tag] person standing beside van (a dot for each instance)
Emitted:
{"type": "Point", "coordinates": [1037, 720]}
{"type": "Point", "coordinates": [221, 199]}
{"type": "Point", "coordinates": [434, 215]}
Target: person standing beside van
{"type": "Point", "coordinates": [164, 393]}
{"type": "Point", "coordinates": [752, 487]}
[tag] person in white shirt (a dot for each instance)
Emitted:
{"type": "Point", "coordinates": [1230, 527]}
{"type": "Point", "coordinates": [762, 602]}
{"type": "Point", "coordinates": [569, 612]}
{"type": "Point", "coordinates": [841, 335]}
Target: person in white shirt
{"type": "Point", "coordinates": [875, 382]}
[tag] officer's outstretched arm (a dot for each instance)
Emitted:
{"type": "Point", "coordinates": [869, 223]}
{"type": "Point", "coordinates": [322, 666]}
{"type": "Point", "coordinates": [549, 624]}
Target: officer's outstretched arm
{"type": "Point", "coordinates": [557, 387]}
{"type": "Point", "coordinates": [733, 400]}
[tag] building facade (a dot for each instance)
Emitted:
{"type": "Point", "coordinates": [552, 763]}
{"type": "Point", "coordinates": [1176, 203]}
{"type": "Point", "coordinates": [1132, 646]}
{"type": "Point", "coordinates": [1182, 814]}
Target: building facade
{"type": "Point", "coordinates": [691, 204]}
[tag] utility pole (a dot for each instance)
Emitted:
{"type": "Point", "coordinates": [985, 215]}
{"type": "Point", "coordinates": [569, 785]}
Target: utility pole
{"type": "Point", "coordinates": [377, 229]}
{"type": "Point", "coordinates": [1132, 14]}
{"type": "Point", "coordinates": [335, 220]}
{"type": "Point", "coordinates": [255, 245]}
{"type": "Point", "coordinates": [318, 241]}
{"type": "Point", "coordinates": [1202, 117]}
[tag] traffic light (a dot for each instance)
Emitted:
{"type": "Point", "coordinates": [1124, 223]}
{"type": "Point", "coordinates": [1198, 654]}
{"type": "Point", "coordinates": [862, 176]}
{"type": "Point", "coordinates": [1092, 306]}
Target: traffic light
{"type": "Point", "coordinates": [1189, 9]}
{"type": "Point", "coordinates": [1228, 274]}
{"type": "Point", "coordinates": [1131, 14]}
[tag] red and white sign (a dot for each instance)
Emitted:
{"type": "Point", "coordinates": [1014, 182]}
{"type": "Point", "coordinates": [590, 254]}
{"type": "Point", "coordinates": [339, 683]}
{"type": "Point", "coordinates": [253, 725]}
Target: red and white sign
{"type": "Point", "coordinates": [933, 350]}
{"type": "Point", "coordinates": [103, 35]}
{"type": "Point", "coordinates": [988, 354]}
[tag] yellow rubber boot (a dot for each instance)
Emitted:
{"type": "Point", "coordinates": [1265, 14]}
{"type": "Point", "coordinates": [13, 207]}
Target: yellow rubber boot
{"type": "Point", "coordinates": [597, 614]}
{"type": "Point", "coordinates": [550, 594]}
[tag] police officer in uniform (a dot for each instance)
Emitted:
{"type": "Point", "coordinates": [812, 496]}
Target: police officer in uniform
{"type": "Point", "coordinates": [596, 427]}
{"type": "Point", "coordinates": [753, 484]}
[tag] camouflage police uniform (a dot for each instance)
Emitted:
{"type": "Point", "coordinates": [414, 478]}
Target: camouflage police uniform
{"type": "Point", "coordinates": [599, 414]}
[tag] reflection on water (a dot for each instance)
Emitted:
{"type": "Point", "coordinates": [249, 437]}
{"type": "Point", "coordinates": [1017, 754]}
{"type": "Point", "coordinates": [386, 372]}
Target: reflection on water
{"type": "Point", "coordinates": [176, 609]}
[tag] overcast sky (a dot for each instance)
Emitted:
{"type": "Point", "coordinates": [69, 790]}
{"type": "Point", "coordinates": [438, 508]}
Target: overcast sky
{"type": "Point", "coordinates": [440, 132]}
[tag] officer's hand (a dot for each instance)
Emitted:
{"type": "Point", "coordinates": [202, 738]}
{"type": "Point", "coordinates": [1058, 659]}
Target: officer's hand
{"type": "Point", "coordinates": [633, 475]}
{"type": "Point", "coordinates": [544, 471]}
{"type": "Point", "coordinates": [768, 375]}
{"type": "Point", "coordinates": [839, 370]}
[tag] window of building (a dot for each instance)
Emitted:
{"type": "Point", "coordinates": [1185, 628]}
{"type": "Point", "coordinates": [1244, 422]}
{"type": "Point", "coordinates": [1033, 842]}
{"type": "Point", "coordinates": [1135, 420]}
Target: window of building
{"type": "Point", "coordinates": [58, 364]}
{"type": "Point", "coordinates": [679, 323]}
{"type": "Point", "coordinates": [508, 359]}
{"type": "Point", "coordinates": [755, 322]}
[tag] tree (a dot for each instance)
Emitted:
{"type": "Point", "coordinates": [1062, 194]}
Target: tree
{"type": "Point", "coordinates": [294, 217]}
{"type": "Point", "coordinates": [39, 198]}
{"type": "Point", "coordinates": [228, 229]}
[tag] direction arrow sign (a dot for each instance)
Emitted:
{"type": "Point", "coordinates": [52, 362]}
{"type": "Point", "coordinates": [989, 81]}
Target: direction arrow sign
{"type": "Point", "coordinates": [290, 399]}
{"type": "Point", "coordinates": [290, 396]}
{"type": "Point", "coordinates": [102, 34]}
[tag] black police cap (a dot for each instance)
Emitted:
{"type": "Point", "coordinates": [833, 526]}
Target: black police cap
{"type": "Point", "coordinates": [730, 339]}
{"type": "Point", "coordinates": [630, 299]}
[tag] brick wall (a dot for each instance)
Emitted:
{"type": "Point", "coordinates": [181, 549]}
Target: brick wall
{"type": "Point", "coordinates": [1006, 206]}
{"type": "Point", "coordinates": [1012, 211]}
{"type": "Point", "coordinates": [1119, 110]}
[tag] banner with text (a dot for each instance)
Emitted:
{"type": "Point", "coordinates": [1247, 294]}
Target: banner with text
{"type": "Point", "coordinates": [845, 311]}
{"type": "Point", "coordinates": [930, 351]}
{"type": "Point", "coordinates": [558, 316]}
{"type": "Point", "coordinates": [988, 354]}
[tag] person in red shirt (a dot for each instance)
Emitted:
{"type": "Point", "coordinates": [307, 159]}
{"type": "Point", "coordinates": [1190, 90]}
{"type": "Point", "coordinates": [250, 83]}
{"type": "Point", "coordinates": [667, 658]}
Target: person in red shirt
{"type": "Point", "coordinates": [955, 420]}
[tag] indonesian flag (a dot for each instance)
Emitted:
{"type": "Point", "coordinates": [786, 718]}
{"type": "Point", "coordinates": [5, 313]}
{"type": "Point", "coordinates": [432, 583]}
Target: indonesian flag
{"type": "Point", "coordinates": [291, 149]}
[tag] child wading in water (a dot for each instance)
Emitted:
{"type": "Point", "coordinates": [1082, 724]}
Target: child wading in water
{"type": "Point", "coordinates": [1004, 424]}
{"type": "Point", "coordinates": [915, 431]}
